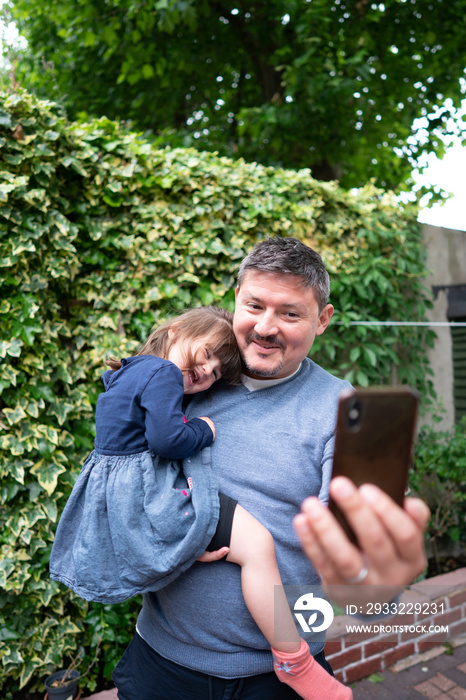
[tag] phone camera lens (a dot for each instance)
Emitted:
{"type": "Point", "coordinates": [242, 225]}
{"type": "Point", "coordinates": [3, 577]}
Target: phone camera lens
{"type": "Point", "coordinates": [354, 415]}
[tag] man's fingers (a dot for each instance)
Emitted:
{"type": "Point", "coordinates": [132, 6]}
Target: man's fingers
{"type": "Point", "coordinates": [214, 556]}
{"type": "Point", "coordinates": [418, 510]}
{"type": "Point", "coordinates": [403, 528]}
{"type": "Point", "coordinates": [311, 547]}
{"type": "Point", "coordinates": [369, 530]}
{"type": "Point", "coordinates": [336, 559]}
{"type": "Point", "coordinates": [390, 538]}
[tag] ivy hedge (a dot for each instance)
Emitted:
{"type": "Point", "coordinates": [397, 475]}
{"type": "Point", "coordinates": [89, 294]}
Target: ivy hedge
{"type": "Point", "coordinates": [101, 237]}
{"type": "Point", "coordinates": [439, 478]}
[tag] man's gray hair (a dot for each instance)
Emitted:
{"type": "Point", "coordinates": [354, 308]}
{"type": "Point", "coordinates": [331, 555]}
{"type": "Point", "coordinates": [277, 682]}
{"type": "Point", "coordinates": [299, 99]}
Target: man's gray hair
{"type": "Point", "coordinates": [289, 256]}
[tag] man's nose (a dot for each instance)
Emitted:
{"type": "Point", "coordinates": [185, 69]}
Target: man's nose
{"type": "Point", "coordinates": [266, 324]}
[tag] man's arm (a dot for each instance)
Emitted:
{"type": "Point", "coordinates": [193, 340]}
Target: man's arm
{"type": "Point", "coordinates": [391, 540]}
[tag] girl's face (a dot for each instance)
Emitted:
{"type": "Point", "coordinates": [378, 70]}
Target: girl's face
{"type": "Point", "coordinates": [206, 368]}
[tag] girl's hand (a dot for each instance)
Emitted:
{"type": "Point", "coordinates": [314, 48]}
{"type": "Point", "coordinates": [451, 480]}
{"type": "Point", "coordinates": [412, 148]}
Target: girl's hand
{"type": "Point", "coordinates": [209, 423]}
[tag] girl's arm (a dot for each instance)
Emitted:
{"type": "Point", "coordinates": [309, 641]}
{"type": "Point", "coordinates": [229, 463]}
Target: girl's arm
{"type": "Point", "coordinates": [166, 431]}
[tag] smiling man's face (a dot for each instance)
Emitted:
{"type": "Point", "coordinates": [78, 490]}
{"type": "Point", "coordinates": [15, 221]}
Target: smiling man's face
{"type": "Point", "coordinates": [276, 321]}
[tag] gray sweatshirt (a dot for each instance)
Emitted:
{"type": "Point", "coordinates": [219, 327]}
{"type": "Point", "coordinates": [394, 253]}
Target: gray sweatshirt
{"type": "Point", "coordinates": [273, 448]}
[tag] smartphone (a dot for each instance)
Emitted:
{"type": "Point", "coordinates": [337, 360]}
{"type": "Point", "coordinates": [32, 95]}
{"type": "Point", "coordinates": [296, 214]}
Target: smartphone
{"type": "Point", "coordinates": [374, 441]}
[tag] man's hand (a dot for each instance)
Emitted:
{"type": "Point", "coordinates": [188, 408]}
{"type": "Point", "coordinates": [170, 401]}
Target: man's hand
{"type": "Point", "coordinates": [210, 423]}
{"type": "Point", "coordinates": [391, 538]}
{"type": "Point", "coordinates": [214, 556]}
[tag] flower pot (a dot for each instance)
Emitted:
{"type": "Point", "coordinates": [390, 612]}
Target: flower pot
{"type": "Point", "coordinates": [78, 697]}
{"type": "Point", "coordinates": [68, 692]}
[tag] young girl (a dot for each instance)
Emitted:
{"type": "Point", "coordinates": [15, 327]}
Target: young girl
{"type": "Point", "coordinates": [136, 519]}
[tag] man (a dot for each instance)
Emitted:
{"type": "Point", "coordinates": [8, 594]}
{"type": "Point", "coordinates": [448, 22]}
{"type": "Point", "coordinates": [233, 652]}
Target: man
{"type": "Point", "coordinates": [274, 446]}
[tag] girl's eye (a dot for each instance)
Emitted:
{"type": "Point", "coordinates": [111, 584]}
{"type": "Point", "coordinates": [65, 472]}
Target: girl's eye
{"type": "Point", "coordinates": [207, 353]}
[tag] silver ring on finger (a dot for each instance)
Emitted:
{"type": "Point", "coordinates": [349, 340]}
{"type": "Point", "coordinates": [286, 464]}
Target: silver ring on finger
{"type": "Point", "coordinates": [361, 576]}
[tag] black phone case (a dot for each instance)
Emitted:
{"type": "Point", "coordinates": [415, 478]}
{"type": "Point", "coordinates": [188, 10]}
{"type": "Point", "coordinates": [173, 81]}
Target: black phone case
{"type": "Point", "coordinates": [374, 441]}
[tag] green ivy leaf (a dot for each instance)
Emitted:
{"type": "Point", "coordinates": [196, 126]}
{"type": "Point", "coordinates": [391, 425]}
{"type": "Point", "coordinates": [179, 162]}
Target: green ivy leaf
{"type": "Point", "coordinates": [47, 475]}
{"type": "Point", "coordinates": [12, 347]}
{"type": "Point", "coordinates": [14, 415]}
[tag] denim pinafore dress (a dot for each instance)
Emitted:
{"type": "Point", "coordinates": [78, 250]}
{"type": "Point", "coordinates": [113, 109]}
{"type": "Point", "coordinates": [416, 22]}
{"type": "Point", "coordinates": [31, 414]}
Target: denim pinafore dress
{"type": "Point", "coordinates": [135, 521]}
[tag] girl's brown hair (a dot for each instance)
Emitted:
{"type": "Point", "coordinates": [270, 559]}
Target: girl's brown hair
{"type": "Point", "coordinates": [209, 322]}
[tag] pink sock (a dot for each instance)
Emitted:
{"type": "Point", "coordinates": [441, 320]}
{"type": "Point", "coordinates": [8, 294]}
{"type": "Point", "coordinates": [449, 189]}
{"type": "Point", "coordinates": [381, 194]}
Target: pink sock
{"type": "Point", "coordinates": [301, 672]}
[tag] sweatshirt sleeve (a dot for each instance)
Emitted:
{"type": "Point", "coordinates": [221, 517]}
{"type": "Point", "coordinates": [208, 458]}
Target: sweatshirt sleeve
{"type": "Point", "coordinates": [327, 464]}
{"type": "Point", "coordinates": [167, 433]}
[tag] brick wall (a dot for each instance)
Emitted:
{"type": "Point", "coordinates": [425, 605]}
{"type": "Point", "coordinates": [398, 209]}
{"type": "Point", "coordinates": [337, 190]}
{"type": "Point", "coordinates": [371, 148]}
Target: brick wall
{"type": "Point", "coordinates": [355, 655]}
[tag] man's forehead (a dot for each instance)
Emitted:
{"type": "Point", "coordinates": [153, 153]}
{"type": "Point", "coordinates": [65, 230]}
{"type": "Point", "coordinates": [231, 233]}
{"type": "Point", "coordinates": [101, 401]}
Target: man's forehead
{"type": "Point", "coordinates": [257, 283]}
{"type": "Point", "coordinates": [286, 303]}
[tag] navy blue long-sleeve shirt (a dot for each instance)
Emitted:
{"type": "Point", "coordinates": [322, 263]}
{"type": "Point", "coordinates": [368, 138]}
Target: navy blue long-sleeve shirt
{"type": "Point", "coordinates": [141, 409]}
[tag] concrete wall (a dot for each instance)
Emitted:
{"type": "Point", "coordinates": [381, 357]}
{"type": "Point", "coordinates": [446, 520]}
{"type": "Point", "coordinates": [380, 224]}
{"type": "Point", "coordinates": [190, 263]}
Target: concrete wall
{"type": "Point", "coordinates": [446, 259]}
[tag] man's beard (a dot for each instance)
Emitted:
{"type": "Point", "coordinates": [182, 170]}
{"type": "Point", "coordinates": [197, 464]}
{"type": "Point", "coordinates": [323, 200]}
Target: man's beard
{"type": "Point", "coordinates": [266, 373]}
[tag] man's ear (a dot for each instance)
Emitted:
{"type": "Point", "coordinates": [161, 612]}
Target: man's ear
{"type": "Point", "coordinates": [324, 318]}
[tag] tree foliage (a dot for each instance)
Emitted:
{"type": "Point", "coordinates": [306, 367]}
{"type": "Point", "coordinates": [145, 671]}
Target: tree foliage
{"type": "Point", "coordinates": [334, 86]}
{"type": "Point", "coordinates": [101, 237]}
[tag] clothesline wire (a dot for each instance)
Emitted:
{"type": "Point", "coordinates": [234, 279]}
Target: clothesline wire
{"type": "Point", "coordinates": [447, 324]}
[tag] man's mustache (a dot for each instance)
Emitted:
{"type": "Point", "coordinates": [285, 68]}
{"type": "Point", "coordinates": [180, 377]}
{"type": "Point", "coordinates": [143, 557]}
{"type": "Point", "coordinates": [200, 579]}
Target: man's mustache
{"type": "Point", "coordinates": [265, 339]}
